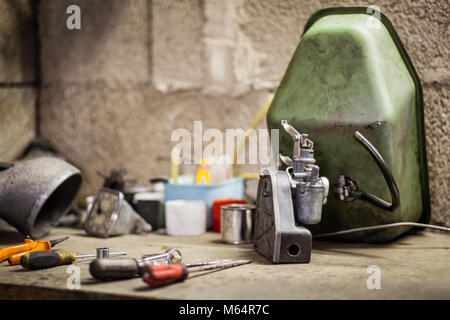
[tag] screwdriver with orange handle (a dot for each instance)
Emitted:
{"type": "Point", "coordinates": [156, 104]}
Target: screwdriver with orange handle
{"type": "Point", "coordinates": [159, 275]}
{"type": "Point", "coordinates": [14, 253]}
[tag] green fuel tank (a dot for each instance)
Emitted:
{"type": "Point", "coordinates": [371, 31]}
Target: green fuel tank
{"type": "Point", "coordinates": [350, 72]}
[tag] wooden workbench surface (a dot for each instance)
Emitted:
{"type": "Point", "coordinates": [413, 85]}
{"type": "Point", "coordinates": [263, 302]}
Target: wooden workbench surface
{"type": "Point", "coordinates": [414, 267]}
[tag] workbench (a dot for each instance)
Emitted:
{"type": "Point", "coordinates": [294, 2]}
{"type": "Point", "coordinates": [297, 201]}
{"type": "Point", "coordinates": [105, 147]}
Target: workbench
{"type": "Point", "coordinates": [413, 267]}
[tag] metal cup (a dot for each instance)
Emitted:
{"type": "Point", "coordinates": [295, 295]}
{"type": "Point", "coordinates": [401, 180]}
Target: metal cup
{"type": "Point", "coordinates": [237, 223]}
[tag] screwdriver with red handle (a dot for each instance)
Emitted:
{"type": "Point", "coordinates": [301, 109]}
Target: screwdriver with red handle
{"type": "Point", "coordinates": [159, 275]}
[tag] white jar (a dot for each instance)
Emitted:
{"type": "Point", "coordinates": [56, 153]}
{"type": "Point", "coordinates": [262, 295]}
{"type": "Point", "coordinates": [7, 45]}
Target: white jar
{"type": "Point", "coordinates": [185, 217]}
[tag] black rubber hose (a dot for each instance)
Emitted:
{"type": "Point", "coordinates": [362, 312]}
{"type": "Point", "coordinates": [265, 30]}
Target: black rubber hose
{"type": "Point", "coordinates": [392, 185]}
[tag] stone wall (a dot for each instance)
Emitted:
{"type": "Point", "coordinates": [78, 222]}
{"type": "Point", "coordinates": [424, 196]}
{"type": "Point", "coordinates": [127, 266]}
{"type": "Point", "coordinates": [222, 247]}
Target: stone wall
{"type": "Point", "coordinates": [113, 91]}
{"type": "Point", "coordinates": [18, 79]}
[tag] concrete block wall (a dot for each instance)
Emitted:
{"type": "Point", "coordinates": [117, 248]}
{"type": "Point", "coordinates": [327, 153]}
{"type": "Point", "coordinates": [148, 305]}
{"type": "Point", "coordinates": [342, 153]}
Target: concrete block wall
{"type": "Point", "coordinates": [18, 79]}
{"type": "Point", "coordinates": [176, 48]}
{"type": "Point", "coordinates": [113, 91]}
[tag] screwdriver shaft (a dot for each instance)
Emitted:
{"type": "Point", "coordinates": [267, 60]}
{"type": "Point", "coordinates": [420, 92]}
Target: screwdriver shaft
{"type": "Point", "coordinates": [224, 265]}
{"type": "Point", "coordinates": [200, 264]}
{"type": "Point", "coordinates": [81, 256]}
{"type": "Point", "coordinates": [54, 242]}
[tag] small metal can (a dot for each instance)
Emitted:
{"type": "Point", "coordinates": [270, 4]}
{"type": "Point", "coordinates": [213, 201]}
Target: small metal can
{"type": "Point", "coordinates": [237, 223]}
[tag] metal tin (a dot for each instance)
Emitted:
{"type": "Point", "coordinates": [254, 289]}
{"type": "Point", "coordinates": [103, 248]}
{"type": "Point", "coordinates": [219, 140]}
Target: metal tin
{"type": "Point", "coordinates": [237, 223]}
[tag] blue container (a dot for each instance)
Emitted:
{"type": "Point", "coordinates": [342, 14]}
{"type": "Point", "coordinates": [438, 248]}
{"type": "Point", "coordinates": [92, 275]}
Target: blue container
{"type": "Point", "coordinates": [233, 188]}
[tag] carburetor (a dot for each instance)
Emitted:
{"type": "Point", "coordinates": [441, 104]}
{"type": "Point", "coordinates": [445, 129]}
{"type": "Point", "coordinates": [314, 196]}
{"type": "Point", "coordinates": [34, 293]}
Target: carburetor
{"type": "Point", "coordinates": [310, 191]}
{"type": "Point", "coordinates": [285, 200]}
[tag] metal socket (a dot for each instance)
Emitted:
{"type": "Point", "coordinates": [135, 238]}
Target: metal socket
{"type": "Point", "coordinates": [102, 253]}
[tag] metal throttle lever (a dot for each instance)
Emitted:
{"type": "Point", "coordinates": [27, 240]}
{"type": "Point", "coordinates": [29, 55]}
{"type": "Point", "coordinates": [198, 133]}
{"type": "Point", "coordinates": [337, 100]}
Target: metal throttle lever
{"type": "Point", "coordinates": [300, 140]}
